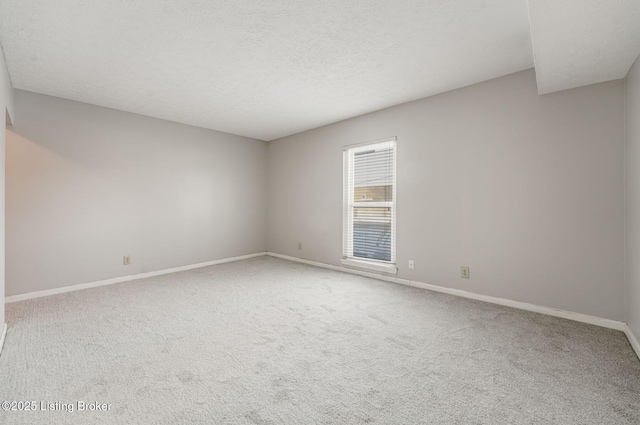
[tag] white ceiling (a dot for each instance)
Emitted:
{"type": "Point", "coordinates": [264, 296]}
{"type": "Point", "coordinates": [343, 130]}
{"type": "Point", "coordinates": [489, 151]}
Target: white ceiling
{"type": "Point", "coordinates": [257, 68]}
{"type": "Point", "coordinates": [580, 42]}
{"type": "Point", "coordinates": [267, 69]}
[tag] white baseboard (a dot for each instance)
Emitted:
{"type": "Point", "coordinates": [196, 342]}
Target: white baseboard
{"type": "Point", "coordinates": [632, 340]}
{"type": "Point", "coordinates": [4, 333]}
{"type": "Point", "coordinates": [578, 317]}
{"type": "Point", "coordinates": [45, 293]}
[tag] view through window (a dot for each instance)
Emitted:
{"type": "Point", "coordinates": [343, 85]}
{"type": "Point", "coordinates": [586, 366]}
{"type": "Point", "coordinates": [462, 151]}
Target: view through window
{"type": "Point", "coordinates": [369, 202]}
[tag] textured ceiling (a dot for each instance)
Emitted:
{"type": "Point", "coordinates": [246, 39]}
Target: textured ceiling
{"type": "Point", "coordinates": [580, 42]}
{"type": "Point", "coordinates": [262, 69]}
{"type": "Point", "coordinates": [267, 69]}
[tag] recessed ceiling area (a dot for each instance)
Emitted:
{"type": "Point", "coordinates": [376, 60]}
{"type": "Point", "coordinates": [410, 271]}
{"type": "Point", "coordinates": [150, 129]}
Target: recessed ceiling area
{"type": "Point", "coordinates": [578, 42]}
{"type": "Point", "coordinates": [268, 69]}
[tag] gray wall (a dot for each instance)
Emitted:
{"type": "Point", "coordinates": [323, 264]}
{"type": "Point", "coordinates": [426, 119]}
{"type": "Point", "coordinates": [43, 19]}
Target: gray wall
{"type": "Point", "coordinates": [6, 107]}
{"type": "Point", "coordinates": [87, 185]}
{"type": "Point", "coordinates": [525, 189]}
{"type": "Point", "coordinates": [632, 197]}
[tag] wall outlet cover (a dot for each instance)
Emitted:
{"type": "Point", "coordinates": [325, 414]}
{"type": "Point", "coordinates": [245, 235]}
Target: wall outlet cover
{"type": "Point", "coordinates": [464, 272]}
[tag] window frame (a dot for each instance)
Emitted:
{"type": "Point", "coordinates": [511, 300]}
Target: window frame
{"type": "Point", "coordinates": [349, 204]}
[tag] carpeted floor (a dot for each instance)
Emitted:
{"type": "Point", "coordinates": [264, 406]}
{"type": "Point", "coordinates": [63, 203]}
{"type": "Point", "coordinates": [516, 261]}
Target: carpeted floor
{"type": "Point", "coordinates": [267, 341]}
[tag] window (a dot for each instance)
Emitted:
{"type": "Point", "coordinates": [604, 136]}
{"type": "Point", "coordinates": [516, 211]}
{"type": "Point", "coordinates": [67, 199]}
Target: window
{"type": "Point", "coordinates": [369, 227]}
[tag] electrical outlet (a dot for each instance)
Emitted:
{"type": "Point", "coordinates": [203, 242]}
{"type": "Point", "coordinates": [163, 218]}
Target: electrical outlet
{"type": "Point", "coordinates": [126, 260]}
{"type": "Point", "coordinates": [411, 264]}
{"type": "Point", "coordinates": [464, 272]}
{"type": "Point", "coordinates": [299, 246]}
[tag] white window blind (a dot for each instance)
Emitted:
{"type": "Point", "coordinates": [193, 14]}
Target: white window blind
{"type": "Point", "coordinates": [369, 227]}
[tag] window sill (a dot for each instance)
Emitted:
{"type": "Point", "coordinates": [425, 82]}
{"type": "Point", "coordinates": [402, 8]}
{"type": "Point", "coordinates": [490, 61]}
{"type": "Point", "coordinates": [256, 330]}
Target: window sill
{"type": "Point", "coordinates": [371, 265]}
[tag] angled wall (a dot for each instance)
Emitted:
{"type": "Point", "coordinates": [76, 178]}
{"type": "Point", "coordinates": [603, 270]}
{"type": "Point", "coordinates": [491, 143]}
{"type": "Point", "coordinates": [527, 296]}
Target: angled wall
{"type": "Point", "coordinates": [632, 197]}
{"type": "Point", "coordinates": [7, 111]}
{"type": "Point", "coordinates": [88, 185]}
{"type": "Point", "coordinates": [525, 189]}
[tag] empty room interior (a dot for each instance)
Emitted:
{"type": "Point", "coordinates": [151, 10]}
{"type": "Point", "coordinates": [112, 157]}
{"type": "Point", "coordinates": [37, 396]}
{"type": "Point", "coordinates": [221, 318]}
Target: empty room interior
{"type": "Point", "coordinates": [331, 212]}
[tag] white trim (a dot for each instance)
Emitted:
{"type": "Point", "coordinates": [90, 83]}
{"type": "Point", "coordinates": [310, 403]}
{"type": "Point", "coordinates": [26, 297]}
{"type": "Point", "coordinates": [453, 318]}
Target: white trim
{"type": "Point", "coordinates": [578, 317]}
{"type": "Point", "coordinates": [373, 142]}
{"type": "Point", "coordinates": [349, 204]}
{"type": "Point", "coordinates": [4, 334]}
{"type": "Point", "coordinates": [45, 293]}
{"type": "Point", "coordinates": [632, 340]}
{"type": "Point", "coordinates": [370, 265]}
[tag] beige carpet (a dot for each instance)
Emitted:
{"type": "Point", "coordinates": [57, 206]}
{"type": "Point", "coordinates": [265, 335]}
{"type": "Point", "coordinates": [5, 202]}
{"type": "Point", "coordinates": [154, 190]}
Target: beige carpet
{"type": "Point", "coordinates": [267, 341]}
